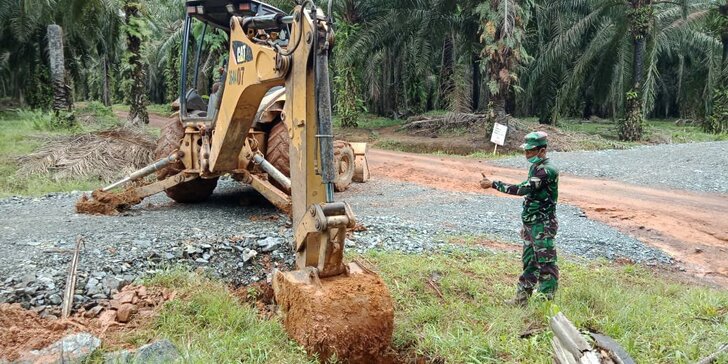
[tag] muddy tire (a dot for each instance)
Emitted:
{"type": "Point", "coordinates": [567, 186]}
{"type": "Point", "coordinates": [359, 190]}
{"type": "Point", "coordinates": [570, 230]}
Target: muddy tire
{"type": "Point", "coordinates": [343, 165]}
{"type": "Point", "coordinates": [278, 146]}
{"type": "Point", "coordinates": [277, 154]}
{"type": "Point", "coordinates": [194, 191]}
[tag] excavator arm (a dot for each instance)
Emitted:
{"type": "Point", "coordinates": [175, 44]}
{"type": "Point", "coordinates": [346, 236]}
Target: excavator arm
{"type": "Point", "coordinates": [330, 307]}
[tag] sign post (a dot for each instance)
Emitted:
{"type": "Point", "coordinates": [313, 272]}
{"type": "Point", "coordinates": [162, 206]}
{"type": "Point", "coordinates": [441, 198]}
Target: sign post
{"type": "Point", "coordinates": [499, 135]}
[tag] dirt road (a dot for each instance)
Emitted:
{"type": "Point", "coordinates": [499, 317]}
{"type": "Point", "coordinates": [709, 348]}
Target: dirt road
{"type": "Point", "coordinates": [689, 226]}
{"type": "Point", "coordinates": [155, 120]}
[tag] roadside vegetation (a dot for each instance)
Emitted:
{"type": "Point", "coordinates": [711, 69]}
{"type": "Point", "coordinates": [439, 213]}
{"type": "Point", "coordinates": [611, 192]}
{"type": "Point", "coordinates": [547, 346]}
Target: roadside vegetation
{"type": "Point", "coordinates": [449, 308]}
{"type": "Point", "coordinates": [572, 134]}
{"type": "Point", "coordinates": [26, 131]}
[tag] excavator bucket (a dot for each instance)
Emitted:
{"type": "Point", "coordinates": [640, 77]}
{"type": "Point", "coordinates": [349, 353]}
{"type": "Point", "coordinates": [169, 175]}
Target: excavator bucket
{"type": "Point", "coordinates": [349, 317]}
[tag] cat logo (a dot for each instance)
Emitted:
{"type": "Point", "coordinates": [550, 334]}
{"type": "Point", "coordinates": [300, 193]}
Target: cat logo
{"type": "Point", "coordinates": [242, 52]}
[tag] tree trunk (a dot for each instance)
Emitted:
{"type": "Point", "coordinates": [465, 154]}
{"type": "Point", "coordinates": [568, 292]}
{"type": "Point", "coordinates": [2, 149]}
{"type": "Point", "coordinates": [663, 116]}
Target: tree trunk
{"type": "Point", "coordinates": [723, 11]}
{"type": "Point", "coordinates": [137, 95]}
{"type": "Point", "coordinates": [499, 108]}
{"type": "Point", "coordinates": [476, 83]}
{"type": "Point", "coordinates": [630, 129]}
{"type": "Point", "coordinates": [106, 91]}
{"type": "Point", "coordinates": [61, 92]}
{"type": "Point", "coordinates": [638, 63]}
{"type": "Point", "coordinates": [446, 73]}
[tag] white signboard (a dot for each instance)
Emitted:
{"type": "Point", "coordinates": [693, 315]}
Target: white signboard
{"type": "Point", "coordinates": [499, 134]}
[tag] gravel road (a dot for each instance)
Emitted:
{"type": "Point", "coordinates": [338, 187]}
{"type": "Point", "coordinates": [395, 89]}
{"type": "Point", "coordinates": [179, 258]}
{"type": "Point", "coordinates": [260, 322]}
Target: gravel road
{"type": "Point", "coordinates": [241, 244]}
{"type": "Point", "coordinates": [694, 167]}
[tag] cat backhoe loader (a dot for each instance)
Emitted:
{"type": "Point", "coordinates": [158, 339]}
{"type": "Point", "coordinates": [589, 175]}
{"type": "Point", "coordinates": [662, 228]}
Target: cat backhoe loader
{"type": "Point", "coordinates": [330, 307]}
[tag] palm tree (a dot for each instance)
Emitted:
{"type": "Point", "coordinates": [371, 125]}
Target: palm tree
{"type": "Point", "coordinates": [502, 33]}
{"type": "Point", "coordinates": [613, 50]}
{"type": "Point", "coordinates": [399, 52]}
{"type": "Point", "coordinates": [717, 121]}
{"type": "Point", "coordinates": [61, 91]}
{"type": "Point", "coordinates": [135, 32]}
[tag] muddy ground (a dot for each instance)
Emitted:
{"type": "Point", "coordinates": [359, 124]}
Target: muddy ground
{"type": "Point", "coordinates": [685, 223]}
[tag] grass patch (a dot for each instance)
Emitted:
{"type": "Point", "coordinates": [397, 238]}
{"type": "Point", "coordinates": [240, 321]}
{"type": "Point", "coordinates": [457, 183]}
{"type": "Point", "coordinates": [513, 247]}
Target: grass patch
{"type": "Point", "coordinates": [370, 121]}
{"type": "Point", "coordinates": [654, 319]}
{"type": "Point", "coordinates": [422, 148]}
{"type": "Point", "coordinates": [657, 131]}
{"type": "Point", "coordinates": [208, 324]}
{"type": "Point", "coordinates": [18, 137]}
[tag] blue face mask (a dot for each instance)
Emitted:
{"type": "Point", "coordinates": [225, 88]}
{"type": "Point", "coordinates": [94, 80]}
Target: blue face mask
{"type": "Point", "coordinates": [535, 159]}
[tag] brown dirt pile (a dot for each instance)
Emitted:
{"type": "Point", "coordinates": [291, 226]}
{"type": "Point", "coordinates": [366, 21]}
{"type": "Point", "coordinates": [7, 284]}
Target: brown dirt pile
{"type": "Point", "coordinates": [349, 317]}
{"type": "Point", "coordinates": [105, 154]}
{"type": "Point", "coordinates": [107, 203]}
{"type": "Point", "coordinates": [479, 130]}
{"type": "Point", "coordinates": [22, 330]}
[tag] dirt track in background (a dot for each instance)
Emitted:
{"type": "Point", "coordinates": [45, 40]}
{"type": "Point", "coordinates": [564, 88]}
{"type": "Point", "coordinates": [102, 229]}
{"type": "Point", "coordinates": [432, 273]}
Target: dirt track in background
{"type": "Point", "coordinates": [155, 120]}
{"type": "Point", "coordinates": [689, 226]}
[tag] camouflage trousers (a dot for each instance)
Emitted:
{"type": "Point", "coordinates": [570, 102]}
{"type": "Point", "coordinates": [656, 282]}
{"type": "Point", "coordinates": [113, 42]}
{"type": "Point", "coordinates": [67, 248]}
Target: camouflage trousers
{"type": "Point", "coordinates": [539, 258]}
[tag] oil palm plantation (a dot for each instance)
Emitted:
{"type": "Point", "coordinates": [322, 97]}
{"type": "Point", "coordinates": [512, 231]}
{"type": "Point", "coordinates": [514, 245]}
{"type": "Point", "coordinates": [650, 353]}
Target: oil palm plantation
{"type": "Point", "coordinates": [612, 53]}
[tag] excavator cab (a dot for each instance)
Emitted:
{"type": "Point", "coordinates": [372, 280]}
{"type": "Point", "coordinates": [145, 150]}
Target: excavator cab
{"type": "Point", "coordinates": [214, 14]}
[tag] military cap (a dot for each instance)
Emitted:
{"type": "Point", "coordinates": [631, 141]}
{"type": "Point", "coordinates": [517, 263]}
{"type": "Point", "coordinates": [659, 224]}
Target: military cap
{"type": "Point", "coordinates": [534, 140]}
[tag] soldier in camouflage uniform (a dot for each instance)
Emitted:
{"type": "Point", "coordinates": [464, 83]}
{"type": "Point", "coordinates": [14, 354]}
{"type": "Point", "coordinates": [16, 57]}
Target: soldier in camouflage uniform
{"type": "Point", "coordinates": [541, 191]}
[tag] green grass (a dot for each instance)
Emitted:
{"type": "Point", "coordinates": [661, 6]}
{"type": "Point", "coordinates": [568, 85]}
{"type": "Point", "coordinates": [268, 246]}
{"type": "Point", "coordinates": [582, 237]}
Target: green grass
{"type": "Point", "coordinates": [657, 131]}
{"type": "Point", "coordinates": [655, 319]}
{"type": "Point", "coordinates": [210, 325]}
{"type": "Point", "coordinates": [369, 121]}
{"type": "Point", "coordinates": [398, 146]}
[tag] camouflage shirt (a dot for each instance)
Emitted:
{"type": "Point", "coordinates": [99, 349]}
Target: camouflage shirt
{"type": "Point", "coordinates": [541, 190]}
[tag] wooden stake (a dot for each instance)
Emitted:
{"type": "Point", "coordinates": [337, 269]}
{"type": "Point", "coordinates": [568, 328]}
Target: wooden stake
{"type": "Point", "coordinates": [713, 357]}
{"type": "Point", "coordinates": [71, 281]}
{"type": "Point", "coordinates": [494, 149]}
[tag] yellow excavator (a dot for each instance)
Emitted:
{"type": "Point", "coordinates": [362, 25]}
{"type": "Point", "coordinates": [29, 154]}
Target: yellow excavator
{"type": "Point", "coordinates": [268, 124]}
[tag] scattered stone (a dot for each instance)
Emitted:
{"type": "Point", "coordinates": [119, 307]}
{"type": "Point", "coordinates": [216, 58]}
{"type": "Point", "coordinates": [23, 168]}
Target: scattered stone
{"type": "Point", "coordinates": [158, 352]}
{"type": "Point", "coordinates": [70, 349]}
{"type": "Point", "coordinates": [118, 357]}
{"type": "Point", "coordinates": [125, 312]}
{"type": "Point", "coordinates": [269, 244]}
{"type": "Point", "coordinates": [249, 254]}
{"type": "Point", "coordinates": [56, 299]}
{"type": "Point", "coordinates": [125, 296]}
{"type": "Point", "coordinates": [93, 312]}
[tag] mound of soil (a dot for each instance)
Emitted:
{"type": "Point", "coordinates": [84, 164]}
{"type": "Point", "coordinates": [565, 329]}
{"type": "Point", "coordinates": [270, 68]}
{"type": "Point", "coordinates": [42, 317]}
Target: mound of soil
{"type": "Point", "coordinates": [351, 317]}
{"type": "Point", "coordinates": [107, 203]}
{"type": "Point", "coordinates": [446, 133]}
{"type": "Point", "coordinates": [22, 330]}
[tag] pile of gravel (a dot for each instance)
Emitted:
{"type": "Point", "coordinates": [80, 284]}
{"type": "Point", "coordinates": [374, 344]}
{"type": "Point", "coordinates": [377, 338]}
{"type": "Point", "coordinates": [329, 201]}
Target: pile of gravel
{"type": "Point", "coordinates": [694, 166]}
{"type": "Point", "coordinates": [242, 244]}
{"type": "Point", "coordinates": [414, 218]}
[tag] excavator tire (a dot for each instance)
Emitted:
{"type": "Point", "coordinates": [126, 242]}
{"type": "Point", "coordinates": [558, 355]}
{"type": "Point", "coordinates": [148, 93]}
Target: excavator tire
{"type": "Point", "coordinates": [277, 155]}
{"type": "Point", "coordinates": [194, 191]}
{"type": "Point", "coordinates": [343, 164]}
{"type": "Point", "coordinates": [277, 152]}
